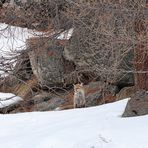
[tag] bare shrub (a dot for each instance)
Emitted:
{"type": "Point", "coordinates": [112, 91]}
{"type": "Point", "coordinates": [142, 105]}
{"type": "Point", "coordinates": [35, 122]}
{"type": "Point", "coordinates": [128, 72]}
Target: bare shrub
{"type": "Point", "coordinates": [105, 37]}
{"type": "Point", "coordinates": [106, 33]}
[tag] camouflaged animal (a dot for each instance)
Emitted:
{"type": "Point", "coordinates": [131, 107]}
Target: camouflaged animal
{"type": "Point", "coordinates": [79, 96]}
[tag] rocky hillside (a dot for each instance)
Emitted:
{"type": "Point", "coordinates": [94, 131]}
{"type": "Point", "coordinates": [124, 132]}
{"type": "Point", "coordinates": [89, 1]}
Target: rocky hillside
{"type": "Point", "coordinates": [93, 43]}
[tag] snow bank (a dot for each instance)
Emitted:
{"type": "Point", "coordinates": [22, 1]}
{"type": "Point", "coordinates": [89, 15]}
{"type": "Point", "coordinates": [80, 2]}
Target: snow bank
{"type": "Point", "coordinates": [13, 38]}
{"type": "Point", "coordinates": [7, 99]}
{"type": "Point", "coordinates": [95, 127]}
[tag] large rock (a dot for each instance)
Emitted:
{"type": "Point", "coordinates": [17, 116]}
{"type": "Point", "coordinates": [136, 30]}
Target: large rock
{"type": "Point", "coordinates": [137, 105]}
{"type": "Point", "coordinates": [46, 102]}
{"type": "Point", "coordinates": [126, 92]}
{"type": "Point", "coordinates": [106, 68]}
{"type": "Point", "coordinates": [48, 64]}
{"type": "Point", "coordinates": [33, 14]}
{"type": "Point", "coordinates": [46, 61]}
{"type": "Point", "coordinates": [41, 102]}
{"type": "Point", "coordinates": [106, 48]}
{"type": "Point", "coordinates": [98, 93]}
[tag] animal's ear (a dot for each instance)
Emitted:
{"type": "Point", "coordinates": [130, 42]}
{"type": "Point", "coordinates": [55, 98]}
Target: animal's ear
{"type": "Point", "coordinates": [81, 84]}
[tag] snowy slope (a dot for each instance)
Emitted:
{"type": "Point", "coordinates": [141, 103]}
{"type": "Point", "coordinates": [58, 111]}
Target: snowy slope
{"type": "Point", "coordinates": [95, 127]}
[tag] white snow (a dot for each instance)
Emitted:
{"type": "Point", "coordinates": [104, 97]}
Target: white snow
{"type": "Point", "coordinates": [13, 39]}
{"type": "Point", "coordinates": [7, 99]}
{"type": "Point", "coordinates": [94, 127]}
{"type": "Point", "coordinates": [66, 35]}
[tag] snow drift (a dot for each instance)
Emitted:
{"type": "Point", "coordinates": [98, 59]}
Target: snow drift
{"type": "Point", "coordinates": [94, 127]}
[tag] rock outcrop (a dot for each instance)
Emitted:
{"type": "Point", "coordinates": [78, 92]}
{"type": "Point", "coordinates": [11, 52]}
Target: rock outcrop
{"type": "Point", "coordinates": [100, 51]}
{"type": "Point", "coordinates": [126, 92]}
{"type": "Point", "coordinates": [47, 62]}
{"type": "Point", "coordinates": [32, 14]}
{"type": "Point", "coordinates": [137, 105]}
{"type": "Point", "coordinates": [96, 94]}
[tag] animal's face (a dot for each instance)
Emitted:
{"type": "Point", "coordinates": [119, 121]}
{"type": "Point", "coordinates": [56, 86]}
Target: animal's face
{"type": "Point", "coordinates": [77, 87]}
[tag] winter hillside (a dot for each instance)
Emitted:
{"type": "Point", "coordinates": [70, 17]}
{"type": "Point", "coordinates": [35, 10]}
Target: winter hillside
{"type": "Point", "coordinates": [75, 76]}
{"type": "Point", "coordinates": [94, 127]}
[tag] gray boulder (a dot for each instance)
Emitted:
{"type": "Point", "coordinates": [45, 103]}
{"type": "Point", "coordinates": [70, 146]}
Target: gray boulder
{"type": "Point", "coordinates": [97, 93]}
{"type": "Point", "coordinates": [40, 102]}
{"type": "Point", "coordinates": [105, 67]}
{"type": "Point", "coordinates": [137, 105]}
{"type": "Point", "coordinates": [46, 102]}
{"type": "Point", "coordinates": [46, 61]}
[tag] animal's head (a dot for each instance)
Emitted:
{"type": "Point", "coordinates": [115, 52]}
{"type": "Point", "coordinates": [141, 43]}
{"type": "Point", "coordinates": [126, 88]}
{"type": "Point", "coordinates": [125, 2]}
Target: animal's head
{"type": "Point", "coordinates": [78, 87]}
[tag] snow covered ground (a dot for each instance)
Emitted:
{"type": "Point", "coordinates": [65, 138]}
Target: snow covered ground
{"type": "Point", "coordinates": [94, 127]}
{"type": "Point", "coordinates": [7, 99]}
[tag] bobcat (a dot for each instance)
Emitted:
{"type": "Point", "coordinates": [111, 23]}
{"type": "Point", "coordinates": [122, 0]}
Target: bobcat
{"type": "Point", "coordinates": [79, 96]}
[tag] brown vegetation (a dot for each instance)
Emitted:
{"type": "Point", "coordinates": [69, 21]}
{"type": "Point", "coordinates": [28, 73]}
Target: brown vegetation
{"type": "Point", "coordinates": [109, 44]}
